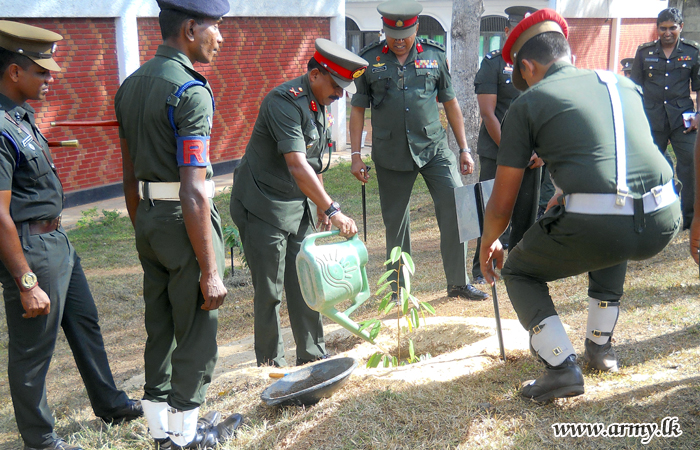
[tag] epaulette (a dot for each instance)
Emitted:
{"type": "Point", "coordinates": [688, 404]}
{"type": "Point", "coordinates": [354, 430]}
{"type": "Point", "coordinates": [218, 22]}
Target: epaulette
{"type": "Point", "coordinates": [647, 44]}
{"type": "Point", "coordinates": [369, 47]}
{"type": "Point", "coordinates": [432, 43]}
{"type": "Point", "coordinates": [691, 43]}
{"type": "Point", "coordinates": [295, 92]}
{"type": "Point", "coordinates": [493, 54]}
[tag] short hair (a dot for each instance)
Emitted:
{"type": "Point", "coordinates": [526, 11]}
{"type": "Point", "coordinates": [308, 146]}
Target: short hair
{"type": "Point", "coordinates": [7, 58]}
{"type": "Point", "coordinates": [171, 20]}
{"type": "Point", "coordinates": [313, 64]}
{"type": "Point", "coordinates": [545, 48]}
{"type": "Point", "coordinates": [669, 15]}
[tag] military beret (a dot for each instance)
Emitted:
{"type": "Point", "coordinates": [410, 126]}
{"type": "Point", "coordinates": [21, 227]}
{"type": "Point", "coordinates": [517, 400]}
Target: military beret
{"type": "Point", "coordinates": [400, 17]}
{"type": "Point", "coordinates": [542, 21]}
{"type": "Point", "coordinates": [627, 64]}
{"type": "Point", "coordinates": [35, 43]}
{"type": "Point", "coordinates": [518, 13]}
{"type": "Point", "coordinates": [343, 65]}
{"type": "Point", "coordinates": [201, 8]}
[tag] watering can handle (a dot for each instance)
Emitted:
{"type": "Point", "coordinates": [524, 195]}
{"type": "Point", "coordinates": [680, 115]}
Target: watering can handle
{"type": "Point", "coordinates": [311, 239]}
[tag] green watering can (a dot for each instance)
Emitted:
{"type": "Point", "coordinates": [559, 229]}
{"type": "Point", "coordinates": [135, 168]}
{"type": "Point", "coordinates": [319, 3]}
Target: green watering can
{"type": "Point", "coordinates": [332, 273]}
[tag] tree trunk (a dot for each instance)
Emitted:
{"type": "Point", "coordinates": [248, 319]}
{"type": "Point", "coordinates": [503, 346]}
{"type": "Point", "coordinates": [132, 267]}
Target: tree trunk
{"type": "Point", "coordinates": [466, 19]}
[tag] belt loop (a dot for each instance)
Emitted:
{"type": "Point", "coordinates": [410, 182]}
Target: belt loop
{"type": "Point", "coordinates": [25, 235]}
{"type": "Point", "coordinates": [639, 215]}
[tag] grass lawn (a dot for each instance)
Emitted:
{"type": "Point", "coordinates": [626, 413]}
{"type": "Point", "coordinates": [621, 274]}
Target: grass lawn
{"type": "Point", "coordinates": [657, 339]}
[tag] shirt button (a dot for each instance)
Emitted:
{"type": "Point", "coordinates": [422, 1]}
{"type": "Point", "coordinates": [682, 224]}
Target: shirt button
{"type": "Point", "coordinates": [666, 88]}
{"type": "Point", "coordinates": [666, 74]}
{"type": "Point", "coordinates": [406, 109]}
{"type": "Point", "coordinates": [668, 61]}
{"type": "Point", "coordinates": [665, 102]}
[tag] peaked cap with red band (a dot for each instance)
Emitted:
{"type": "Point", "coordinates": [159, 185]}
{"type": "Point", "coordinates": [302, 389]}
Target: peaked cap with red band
{"type": "Point", "coordinates": [542, 21]}
{"type": "Point", "coordinates": [343, 65]}
{"type": "Point", "coordinates": [539, 22]}
{"type": "Point", "coordinates": [400, 17]}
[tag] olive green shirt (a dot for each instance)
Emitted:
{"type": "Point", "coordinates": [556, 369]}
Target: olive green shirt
{"type": "Point", "coordinates": [142, 104]}
{"type": "Point", "coordinates": [567, 120]}
{"type": "Point", "coordinates": [666, 82]}
{"type": "Point", "coordinates": [26, 167]}
{"type": "Point", "coordinates": [494, 77]}
{"type": "Point", "coordinates": [290, 120]}
{"type": "Point", "coordinates": [406, 128]}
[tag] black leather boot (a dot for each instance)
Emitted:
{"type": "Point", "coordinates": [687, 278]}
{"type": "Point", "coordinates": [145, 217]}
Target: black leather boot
{"type": "Point", "coordinates": [600, 357]}
{"type": "Point", "coordinates": [210, 434]}
{"type": "Point", "coordinates": [562, 381]}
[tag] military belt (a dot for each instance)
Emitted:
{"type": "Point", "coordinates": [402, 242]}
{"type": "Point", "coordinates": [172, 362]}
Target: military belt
{"type": "Point", "coordinates": [149, 190]}
{"type": "Point", "coordinates": [39, 226]}
{"type": "Point", "coordinates": [607, 204]}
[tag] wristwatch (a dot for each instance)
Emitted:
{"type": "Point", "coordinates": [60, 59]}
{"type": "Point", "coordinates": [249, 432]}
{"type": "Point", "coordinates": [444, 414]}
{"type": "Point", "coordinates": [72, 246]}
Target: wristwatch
{"type": "Point", "coordinates": [333, 210]}
{"type": "Point", "coordinates": [26, 282]}
{"type": "Point", "coordinates": [464, 150]}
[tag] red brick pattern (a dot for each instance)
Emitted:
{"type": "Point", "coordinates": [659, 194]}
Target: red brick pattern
{"type": "Point", "coordinates": [84, 90]}
{"type": "Point", "coordinates": [257, 54]}
{"type": "Point", "coordinates": [590, 42]}
{"type": "Point", "coordinates": [633, 33]}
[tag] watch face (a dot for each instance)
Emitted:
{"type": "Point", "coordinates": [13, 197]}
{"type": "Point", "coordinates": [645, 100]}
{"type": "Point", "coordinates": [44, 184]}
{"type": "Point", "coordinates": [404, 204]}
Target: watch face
{"type": "Point", "coordinates": [28, 280]}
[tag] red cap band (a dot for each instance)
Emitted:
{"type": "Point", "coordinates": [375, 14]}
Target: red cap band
{"type": "Point", "coordinates": [541, 15]}
{"type": "Point", "coordinates": [337, 69]}
{"type": "Point", "coordinates": [404, 23]}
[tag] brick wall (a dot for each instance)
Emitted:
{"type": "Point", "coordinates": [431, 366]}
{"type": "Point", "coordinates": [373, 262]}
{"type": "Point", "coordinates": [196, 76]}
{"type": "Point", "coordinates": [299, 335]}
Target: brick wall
{"type": "Point", "coordinates": [633, 33]}
{"type": "Point", "coordinates": [84, 90]}
{"type": "Point", "coordinates": [590, 42]}
{"type": "Point", "coordinates": [257, 55]}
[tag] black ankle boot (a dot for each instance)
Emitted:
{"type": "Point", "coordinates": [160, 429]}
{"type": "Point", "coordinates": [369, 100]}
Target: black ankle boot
{"type": "Point", "coordinates": [562, 381]}
{"type": "Point", "coordinates": [211, 432]}
{"type": "Point", "coordinates": [600, 357]}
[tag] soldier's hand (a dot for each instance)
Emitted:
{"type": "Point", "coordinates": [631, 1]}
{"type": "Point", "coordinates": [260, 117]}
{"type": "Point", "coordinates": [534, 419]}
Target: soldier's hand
{"type": "Point", "coordinates": [695, 238]}
{"type": "Point", "coordinates": [345, 224]}
{"type": "Point", "coordinates": [535, 161]}
{"type": "Point", "coordinates": [359, 169]}
{"type": "Point", "coordinates": [490, 252]}
{"type": "Point", "coordinates": [213, 290]}
{"type": "Point", "coordinates": [324, 223]}
{"type": "Point", "coordinates": [35, 303]}
{"type": "Point", "coordinates": [466, 163]}
{"type": "Point", "coordinates": [694, 124]}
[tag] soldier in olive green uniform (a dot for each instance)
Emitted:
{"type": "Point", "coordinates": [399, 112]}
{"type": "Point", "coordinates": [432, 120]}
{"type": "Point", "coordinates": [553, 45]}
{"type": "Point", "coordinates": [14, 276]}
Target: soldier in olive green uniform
{"type": "Point", "coordinates": [615, 199]}
{"type": "Point", "coordinates": [278, 175]}
{"type": "Point", "coordinates": [44, 286]}
{"type": "Point", "coordinates": [494, 93]}
{"type": "Point", "coordinates": [401, 84]}
{"type": "Point", "coordinates": [626, 64]}
{"type": "Point", "coordinates": [667, 69]}
{"type": "Point", "coordinates": [165, 111]}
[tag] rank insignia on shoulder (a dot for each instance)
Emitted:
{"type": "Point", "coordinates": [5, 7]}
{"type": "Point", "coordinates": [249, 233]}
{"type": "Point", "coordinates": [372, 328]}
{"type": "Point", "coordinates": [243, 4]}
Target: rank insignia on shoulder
{"type": "Point", "coordinates": [313, 106]}
{"type": "Point", "coordinates": [294, 91]}
{"type": "Point", "coordinates": [426, 64]}
{"type": "Point", "coordinates": [419, 47]}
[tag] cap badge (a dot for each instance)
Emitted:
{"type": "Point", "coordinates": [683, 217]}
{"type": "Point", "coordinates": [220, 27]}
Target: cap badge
{"type": "Point", "coordinates": [358, 73]}
{"type": "Point", "coordinates": [399, 23]}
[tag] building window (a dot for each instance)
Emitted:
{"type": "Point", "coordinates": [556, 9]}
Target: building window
{"type": "Point", "coordinates": [429, 28]}
{"type": "Point", "coordinates": [355, 39]}
{"type": "Point", "coordinates": [491, 34]}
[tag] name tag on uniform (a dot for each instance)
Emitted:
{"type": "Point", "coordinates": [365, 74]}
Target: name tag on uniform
{"type": "Point", "coordinates": [426, 64]}
{"type": "Point", "coordinates": [651, 59]}
{"type": "Point", "coordinates": [508, 70]}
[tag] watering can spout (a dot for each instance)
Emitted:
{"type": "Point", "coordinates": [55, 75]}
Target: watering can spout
{"type": "Point", "coordinates": [333, 273]}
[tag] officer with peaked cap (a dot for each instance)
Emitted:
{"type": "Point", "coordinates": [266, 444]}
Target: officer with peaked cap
{"type": "Point", "coordinates": [43, 282]}
{"type": "Point", "coordinates": [626, 64]}
{"type": "Point", "coordinates": [405, 76]}
{"type": "Point", "coordinates": [606, 211]}
{"type": "Point", "coordinates": [278, 175]}
{"type": "Point", "coordinates": [667, 69]}
{"type": "Point", "coordinates": [494, 93]}
{"type": "Point", "coordinates": [165, 112]}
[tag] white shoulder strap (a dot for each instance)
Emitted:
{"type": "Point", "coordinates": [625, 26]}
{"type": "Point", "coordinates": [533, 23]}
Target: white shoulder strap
{"type": "Point", "coordinates": [610, 81]}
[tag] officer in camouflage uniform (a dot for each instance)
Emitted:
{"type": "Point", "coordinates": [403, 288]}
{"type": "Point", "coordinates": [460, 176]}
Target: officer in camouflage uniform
{"type": "Point", "coordinates": [165, 111]}
{"type": "Point", "coordinates": [667, 69]}
{"type": "Point", "coordinates": [615, 198]}
{"type": "Point", "coordinates": [44, 286]}
{"type": "Point", "coordinates": [494, 92]}
{"type": "Point", "coordinates": [405, 76]}
{"type": "Point", "coordinates": [278, 175]}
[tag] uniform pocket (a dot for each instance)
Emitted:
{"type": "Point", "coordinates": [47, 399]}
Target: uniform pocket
{"type": "Point", "coordinates": [427, 78]}
{"type": "Point", "coordinates": [36, 166]}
